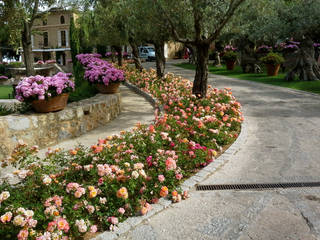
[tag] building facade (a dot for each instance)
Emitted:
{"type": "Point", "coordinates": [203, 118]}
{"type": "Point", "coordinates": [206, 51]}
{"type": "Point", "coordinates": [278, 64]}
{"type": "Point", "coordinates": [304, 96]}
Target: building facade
{"type": "Point", "coordinates": [50, 39]}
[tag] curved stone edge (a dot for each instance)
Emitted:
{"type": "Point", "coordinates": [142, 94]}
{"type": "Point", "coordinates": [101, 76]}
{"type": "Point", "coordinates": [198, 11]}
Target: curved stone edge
{"type": "Point", "coordinates": [188, 184]}
{"type": "Point", "coordinates": [153, 101]}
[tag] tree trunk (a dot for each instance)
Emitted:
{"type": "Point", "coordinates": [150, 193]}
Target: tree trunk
{"type": "Point", "coordinates": [305, 66]}
{"type": "Point", "coordinates": [27, 49]}
{"type": "Point", "coordinates": [0, 56]}
{"type": "Point", "coordinates": [160, 58]}
{"type": "Point", "coordinates": [192, 55]}
{"type": "Point", "coordinates": [201, 78]}
{"type": "Point", "coordinates": [119, 56]}
{"type": "Point", "coordinates": [135, 53]}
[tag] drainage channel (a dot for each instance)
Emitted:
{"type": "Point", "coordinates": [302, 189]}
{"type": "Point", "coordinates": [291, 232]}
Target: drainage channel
{"type": "Point", "coordinates": [257, 186]}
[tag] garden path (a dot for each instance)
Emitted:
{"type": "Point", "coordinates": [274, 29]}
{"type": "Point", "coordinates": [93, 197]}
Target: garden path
{"type": "Point", "coordinates": [134, 109]}
{"type": "Point", "coordinates": [282, 145]}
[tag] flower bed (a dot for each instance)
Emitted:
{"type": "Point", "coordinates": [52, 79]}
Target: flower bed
{"type": "Point", "coordinates": [68, 194]}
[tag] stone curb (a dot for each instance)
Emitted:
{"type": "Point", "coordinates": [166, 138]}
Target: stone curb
{"type": "Point", "coordinates": [146, 95]}
{"type": "Point", "coordinates": [188, 184]}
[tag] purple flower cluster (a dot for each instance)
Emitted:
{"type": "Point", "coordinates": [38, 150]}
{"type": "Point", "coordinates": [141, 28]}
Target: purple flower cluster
{"type": "Point", "coordinates": [264, 49]}
{"type": "Point", "coordinates": [40, 87]}
{"type": "Point", "coordinates": [3, 77]}
{"type": "Point", "coordinates": [50, 61]}
{"type": "Point", "coordinates": [230, 48]}
{"type": "Point", "coordinates": [86, 58]}
{"type": "Point", "coordinates": [316, 45]}
{"type": "Point", "coordinates": [100, 71]}
{"type": "Point", "coordinates": [291, 46]}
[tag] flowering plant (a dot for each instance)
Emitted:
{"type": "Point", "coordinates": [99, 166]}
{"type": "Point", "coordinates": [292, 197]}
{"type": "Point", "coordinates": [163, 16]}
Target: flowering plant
{"type": "Point", "coordinates": [100, 71]}
{"type": "Point", "coordinates": [316, 45]}
{"type": "Point", "coordinates": [230, 56]}
{"type": "Point", "coordinates": [230, 48]}
{"type": "Point", "coordinates": [40, 87]}
{"type": "Point", "coordinates": [264, 49]}
{"type": "Point", "coordinates": [3, 77]}
{"type": "Point", "coordinates": [87, 190]}
{"type": "Point", "coordinates": [272, 58]}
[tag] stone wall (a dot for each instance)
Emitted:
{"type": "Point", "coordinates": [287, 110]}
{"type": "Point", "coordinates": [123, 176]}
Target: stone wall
{"type": "Point", "coordinates": [49, 129]}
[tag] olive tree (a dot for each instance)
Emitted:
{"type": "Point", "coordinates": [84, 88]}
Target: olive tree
{"type": "Point", "coordinates": [198, 23]}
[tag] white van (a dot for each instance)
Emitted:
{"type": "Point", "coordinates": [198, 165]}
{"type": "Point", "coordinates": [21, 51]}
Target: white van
{"type": "Point", "coordinates": [147, 52]}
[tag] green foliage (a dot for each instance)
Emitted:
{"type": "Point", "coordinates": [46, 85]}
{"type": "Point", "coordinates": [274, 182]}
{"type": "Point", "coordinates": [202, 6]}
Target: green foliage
{"type": "Point", "coordinates": [230, 56]}
{"type": "Point", "coordinates": [85, 90]}
{"type": "Point", "coordinates": [5, 91]}
{"type": "Point", "coordinates": [272, 58]}
{"type": "Point", "coordinates": [5, 110]}
{"type": "Point", "coordinates": [16, 64]}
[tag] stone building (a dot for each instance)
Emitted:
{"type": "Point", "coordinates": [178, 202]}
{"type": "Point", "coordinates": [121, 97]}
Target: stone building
{"type": "Point", "coordinates": [50, 40]}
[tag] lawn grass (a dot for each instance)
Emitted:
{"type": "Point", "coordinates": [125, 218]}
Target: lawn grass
{"type": "Point", "coordinates": [5, 91]}
{"type": "Point", "coordinates": [313, 86]}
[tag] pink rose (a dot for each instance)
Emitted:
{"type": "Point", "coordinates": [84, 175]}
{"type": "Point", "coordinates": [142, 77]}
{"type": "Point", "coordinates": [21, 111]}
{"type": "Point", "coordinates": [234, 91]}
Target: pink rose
{"type": "Point", "coordinates": [161, 178]}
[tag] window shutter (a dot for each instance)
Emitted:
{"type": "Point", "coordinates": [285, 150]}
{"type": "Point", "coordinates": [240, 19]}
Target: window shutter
{"type": "Point", "coordinates": [59, 39]}
{"type": "Point", "coordinates": [67, 39]}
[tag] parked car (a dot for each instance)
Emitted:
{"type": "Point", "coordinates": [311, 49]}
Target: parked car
{"type": "Point", "coordinates": [147, 52]}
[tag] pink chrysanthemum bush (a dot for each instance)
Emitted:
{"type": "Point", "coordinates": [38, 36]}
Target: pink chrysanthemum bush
{"type": "Point", "coordinates": [40, 87]}
{"type": "Point", "coordinates": [71, 193]}
{"type": "Point", "coordinates": [100, 71]}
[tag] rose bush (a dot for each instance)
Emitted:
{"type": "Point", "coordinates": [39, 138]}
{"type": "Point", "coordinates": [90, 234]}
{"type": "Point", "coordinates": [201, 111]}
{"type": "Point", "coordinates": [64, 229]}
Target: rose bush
{"type": "Point", "coordinates": [70, 193]}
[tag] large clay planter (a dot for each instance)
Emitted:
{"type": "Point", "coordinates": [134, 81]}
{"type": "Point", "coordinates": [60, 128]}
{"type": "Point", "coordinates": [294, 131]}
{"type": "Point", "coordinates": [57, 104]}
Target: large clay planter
{"type": "Point", "coordinates": [109, 89]}
{"type": "Point", "coordinates": [272, 70]}
{"type": "Point", "coordinates": [52, 104]}
{"type": "Point", "coordinates": [230, 65]}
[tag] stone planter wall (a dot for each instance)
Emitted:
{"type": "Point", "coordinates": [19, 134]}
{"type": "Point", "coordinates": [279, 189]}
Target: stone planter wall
{"type": "Point", "coordinates": [51, 128]}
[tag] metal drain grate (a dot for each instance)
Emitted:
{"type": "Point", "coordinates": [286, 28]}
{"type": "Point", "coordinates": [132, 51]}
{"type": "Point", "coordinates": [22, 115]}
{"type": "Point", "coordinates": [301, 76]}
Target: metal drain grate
{"type": "Point", "coordinates": [257, 186]}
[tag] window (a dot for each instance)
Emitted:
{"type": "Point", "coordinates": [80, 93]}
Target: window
{"type": "Point", "coordinates": [62, 21]}
{"type": "Point", "coordinates": [63, 38]}
{"type": "Point", "coordinates": [45, 39]}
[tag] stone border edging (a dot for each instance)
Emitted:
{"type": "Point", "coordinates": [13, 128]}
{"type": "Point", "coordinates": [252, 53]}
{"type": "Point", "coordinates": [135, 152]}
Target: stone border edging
{"type": "Point", "coordinates": [147, 96]}
{"type": "Point", "coordinates": [188, 184]}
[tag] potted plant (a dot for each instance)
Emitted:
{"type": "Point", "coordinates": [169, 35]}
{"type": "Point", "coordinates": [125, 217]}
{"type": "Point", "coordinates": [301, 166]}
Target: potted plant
{"type": "Point", "coordinates": [230, 58]}
{"type": "Point", "coordinates": [46, 94]}
{"type": "Point", "coordinates": [272, 62]}
{"type": "Point", "coordinates": [101, 73]}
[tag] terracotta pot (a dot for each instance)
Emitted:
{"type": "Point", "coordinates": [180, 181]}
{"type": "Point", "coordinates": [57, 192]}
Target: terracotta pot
{"type": "Point", "coordinates": [272, 70]}
{"type": "Point", "coordinates": [109, 89]}
{"type": "Point", "coordinates": [230, 65]}
{"type": "Point", "coordinates": [52, 104]}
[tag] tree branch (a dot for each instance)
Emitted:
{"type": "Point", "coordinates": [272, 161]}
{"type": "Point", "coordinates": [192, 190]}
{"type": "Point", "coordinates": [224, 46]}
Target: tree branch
{"type": "Point", "coordinates": [234, 4]}
{"type": "Point", "coordinates": [197, 21]}
{"type": "Point", "coordinates": [34, 11]}
{"type": "Point", "coordinates": [173, 29]}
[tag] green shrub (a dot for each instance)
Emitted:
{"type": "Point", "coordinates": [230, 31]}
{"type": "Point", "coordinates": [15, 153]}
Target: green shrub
{"type": "Point", "coordinates": [16, 64]}
{"type": "Point", "coordinates": [272, 58]}
{"type": "Point", "coordinates": [85, 90]}
{"type": "Point", "coordinates": [5, 110]}
{"type": "Point", "coordinates": [230, 56]}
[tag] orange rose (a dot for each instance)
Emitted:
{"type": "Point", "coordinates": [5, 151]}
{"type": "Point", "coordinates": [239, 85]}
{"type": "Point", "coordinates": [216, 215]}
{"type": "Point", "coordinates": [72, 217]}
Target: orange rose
{"type": "Point", "coordinates": [122, 193]}
{"type": "Point", "coordinates": [164, 191]}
